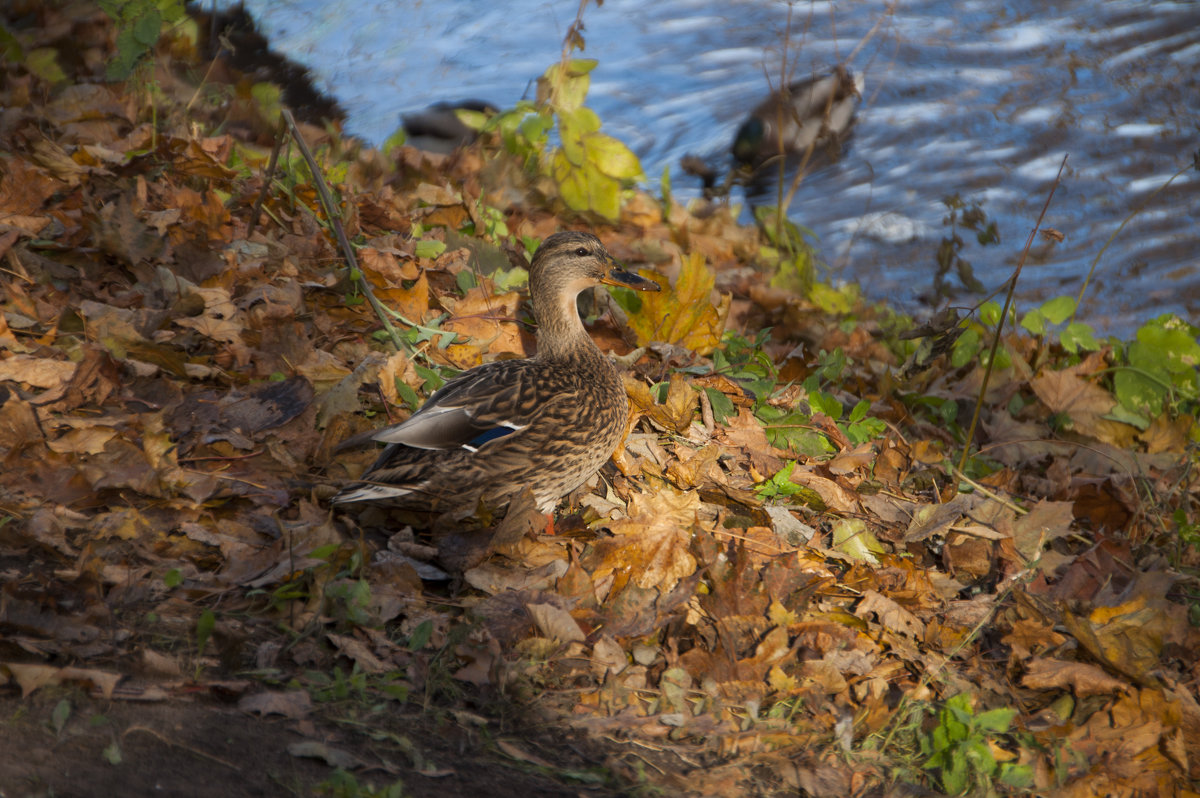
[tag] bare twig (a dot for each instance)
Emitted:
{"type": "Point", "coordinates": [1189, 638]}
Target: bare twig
{"type": "Point", "coordinates": [331, 213]}
{"type": "Point", "coordinates": [268, 177]}
{"type": "Point", "coordinates": [1012, 287]}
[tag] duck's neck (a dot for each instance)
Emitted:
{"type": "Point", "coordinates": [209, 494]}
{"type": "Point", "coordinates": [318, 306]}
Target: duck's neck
{"type": "Point", "coordinates": [560, 334]}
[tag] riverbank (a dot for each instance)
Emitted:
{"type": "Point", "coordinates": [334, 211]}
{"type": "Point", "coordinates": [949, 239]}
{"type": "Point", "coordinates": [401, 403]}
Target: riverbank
{"type": "Point", "coordinates": [774, 587]}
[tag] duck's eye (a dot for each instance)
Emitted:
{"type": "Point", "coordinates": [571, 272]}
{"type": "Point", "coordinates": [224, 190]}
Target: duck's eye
{"type": "Point", "coordinates": [582, 252]}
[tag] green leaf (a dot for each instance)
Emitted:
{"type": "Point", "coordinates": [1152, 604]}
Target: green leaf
{"type": "Point", "coordinates": [1019, 777]}
{"type": "Point", "coordinates": [833, 300]}
{"type": "Point", "coordinates": [1076, 336]}
{"type": "Point", "coordinates": [965, 349]}
{"type": "Point", "coordinates": [1139, 393]}
{"type": "Point", "coordinates": [821, 402]}
{"type": "Point", "coordinates": [1168, 344]}
{"type": "Point", "coordinates": [407, 394]}
{"type": "Point", "coordinates": [569, 87]}
{"type": "Point", "coordinates": [204, 628]}
{"type": "Point", "coordinates": [43, 62]}
{"type": "Point", "coordinates": [852, 538]}
{"type": "Point", "coordinates": [995, 720]}
{"type": "Point", "coordinates": [1059, 309]}
{"type": "Point", "coordinates": [989, 313]}
{"type": "Point", "coordinates": [397, 139]}
{"type": "Point", "coordinates": [433, 380]}
{"type": "Point", "coordinates": [60, 716]}
{"type": "Point", "coordinates": [1034, 321]}
{"type": "Point", "coordinates": [420, 636]}
{"type": "Point", "coordinates": [10, 48]}
{"type": "Point", "coordinates": [173, 578]}
{"type": "Point", "coordinates": [147, 27]}
{"type": "Point", "coordinates": [429, 248]}
{"type": "Point", "coordinates": [112, 754]}
{"type": "Point", "coordinates": [575, 128]}
{"type": "Point", "coordinates": [722, 406]}
{"type": "Point", "coordinates": [865, 430]}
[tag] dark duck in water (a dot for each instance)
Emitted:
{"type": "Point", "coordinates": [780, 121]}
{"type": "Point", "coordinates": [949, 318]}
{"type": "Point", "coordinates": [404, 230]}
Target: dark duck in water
{"type": "Point", "coordinates": [816, 113]}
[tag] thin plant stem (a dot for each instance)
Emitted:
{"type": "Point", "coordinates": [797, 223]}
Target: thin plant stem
{"type": "Point", "coordinates": [1012, 287]}
{"type": "Point", "coordinates": [331, 212]}
{"type": "Point", "coordinates": [1095, 261]}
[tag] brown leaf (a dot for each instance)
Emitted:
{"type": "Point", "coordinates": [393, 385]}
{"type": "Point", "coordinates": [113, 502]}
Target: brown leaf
{"type": "Point", "coordinates": [412, 303]}
{"type": "Point", "coordinates": [651, 546]}
{"type": "Point", "coordinates": [555, 623]}
{"type": "Point", "coordinates": [389, 269]}
{"type": "Point", "coordinates": [890, 614]}
{"type": "Point", "coordinates": [39, 372]}
{"type": "Point", "coordinates": [487, 324]}
{"type": "Point", "coordinates": [1082, 402]}
{"type": "Point", "coordinates": [675, 413]}
{"type": "Point", "coordinates": [32, 676]}
{"type": "Point", "coordinates": [1083, 679]}
{"type": "Point", "coordinates": [294, 704]}
{"type": "Point", "coordinates": [1047, 521]}
{"type": "Point", "coordinates": [1127, 638]}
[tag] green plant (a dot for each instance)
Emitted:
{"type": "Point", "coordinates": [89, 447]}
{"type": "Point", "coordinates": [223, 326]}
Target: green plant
{"type": "Point", "coordinates": [139, 24]}
{"type": "Point", "coordinates": [1074, 336]}
{"type": "Point", "coordinates": [343, 784]}
{"type": "Point", "coordinates": [1159, 371]}
{"type": "Point", "coordinates": [588, 167]}
{"type": "Point", "coordinates": [950, 252]}
{"type": "Point", "coordinates": [962, 749]}
{"type": "Point", "coordinates": [790, 250]}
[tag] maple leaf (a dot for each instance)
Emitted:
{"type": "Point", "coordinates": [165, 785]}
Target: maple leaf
{"type": "Point", "coordinates": [684, 314]}
{"type": "Point", "coordinates": [652, 543]}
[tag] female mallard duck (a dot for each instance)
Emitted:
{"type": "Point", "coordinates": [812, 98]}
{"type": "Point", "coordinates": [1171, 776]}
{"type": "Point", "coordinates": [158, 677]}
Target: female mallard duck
{"type": "Point", "coordinates": [547, 423]}
{"type": "Point", "coordinates": [814, 113]}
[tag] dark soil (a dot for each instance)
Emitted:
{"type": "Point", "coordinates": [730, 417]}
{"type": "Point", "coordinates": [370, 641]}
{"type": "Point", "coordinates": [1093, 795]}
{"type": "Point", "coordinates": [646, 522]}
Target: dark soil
{"type": "Point", "coordinates": [183, 747]}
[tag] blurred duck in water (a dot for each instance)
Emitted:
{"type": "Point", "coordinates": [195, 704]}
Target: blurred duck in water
{"type": "Point", "coordinates": [440, 128]}
{"type": "Point", "coordinates": [816, 113]}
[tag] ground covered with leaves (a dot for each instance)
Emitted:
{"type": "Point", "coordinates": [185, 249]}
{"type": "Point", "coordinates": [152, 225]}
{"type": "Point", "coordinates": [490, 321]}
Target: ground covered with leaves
{"type": "Point", "coordinates": [781, 584]}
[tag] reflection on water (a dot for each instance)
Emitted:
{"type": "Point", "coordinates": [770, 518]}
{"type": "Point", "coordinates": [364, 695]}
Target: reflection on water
{"type": "Point", "coordinates": [981, 99]}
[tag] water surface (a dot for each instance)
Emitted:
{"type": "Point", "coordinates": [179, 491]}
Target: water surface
{"type": "Point", "coordinates": [982, 99]}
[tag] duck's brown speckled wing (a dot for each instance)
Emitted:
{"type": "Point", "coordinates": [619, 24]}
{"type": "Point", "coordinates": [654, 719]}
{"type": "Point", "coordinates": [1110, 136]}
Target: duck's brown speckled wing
{"type": "Point", "coordinates": [473, 409]}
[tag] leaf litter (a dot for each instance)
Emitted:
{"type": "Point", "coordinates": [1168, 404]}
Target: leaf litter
{"type": "Point", "coordinates": [761, 594]}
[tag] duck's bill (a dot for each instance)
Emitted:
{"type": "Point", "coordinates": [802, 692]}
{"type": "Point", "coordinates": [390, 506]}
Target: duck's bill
{"type": "Point", "coordinates": [629, 280]}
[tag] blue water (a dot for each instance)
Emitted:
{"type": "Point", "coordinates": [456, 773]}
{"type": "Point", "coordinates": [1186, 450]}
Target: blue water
{"type": "Point", "coordinates": [981, 99]}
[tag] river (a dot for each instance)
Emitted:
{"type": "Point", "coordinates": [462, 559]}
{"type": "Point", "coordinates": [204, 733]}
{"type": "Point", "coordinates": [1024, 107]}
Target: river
{"type": "Point", "coordinates": [979, 99]}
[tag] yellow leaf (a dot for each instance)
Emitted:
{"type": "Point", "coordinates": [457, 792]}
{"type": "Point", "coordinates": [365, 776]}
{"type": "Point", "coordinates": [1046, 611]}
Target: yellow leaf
{"type": "Point", "coordinates": [612, 157]}
{"type": "Point", "coordinates": [683, 315]}
{"type": "Point", "coordinates": [779, 681]}
{"type": "Point", "coordinates": [674, 414]}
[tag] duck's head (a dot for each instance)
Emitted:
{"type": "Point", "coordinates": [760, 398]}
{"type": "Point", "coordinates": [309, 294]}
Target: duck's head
{"type": "Point", "coordinates": [563, 266]}
{"type": "Point", "coordinates": [748, 143]}
{"type": "Point", "coordinates": [567, 263]}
